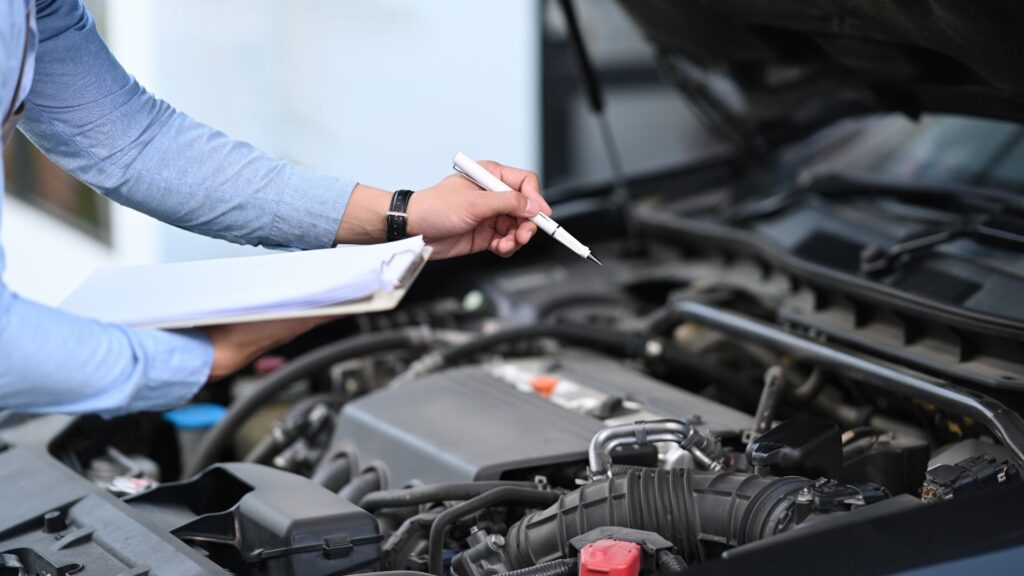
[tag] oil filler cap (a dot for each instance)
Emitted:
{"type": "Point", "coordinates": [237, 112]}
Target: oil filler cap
{"type": "Point", "coordinates": [610, 558]}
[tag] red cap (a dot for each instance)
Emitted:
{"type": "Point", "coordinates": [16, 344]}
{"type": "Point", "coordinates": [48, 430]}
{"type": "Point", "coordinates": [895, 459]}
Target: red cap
{"type": "Point", "coordinates": [544, 385]}
{"type": "Point", "coordinates": [610, 558]}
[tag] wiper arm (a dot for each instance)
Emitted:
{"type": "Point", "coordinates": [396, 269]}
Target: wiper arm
{"type": "Point", "coordinates": [876, 260]}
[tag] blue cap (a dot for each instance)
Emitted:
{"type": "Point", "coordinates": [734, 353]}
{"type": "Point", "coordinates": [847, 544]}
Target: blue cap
{"type": "Point", "coordinates": [195, 416]}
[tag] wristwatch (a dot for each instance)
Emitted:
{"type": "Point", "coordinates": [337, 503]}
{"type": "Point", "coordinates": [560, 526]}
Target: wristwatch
{"type": "Point", "coordinates": [397, 217]}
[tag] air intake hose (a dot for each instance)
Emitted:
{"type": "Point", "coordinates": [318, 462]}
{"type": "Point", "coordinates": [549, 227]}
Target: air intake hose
{"type": "Point", "coordinates": [688, 507]}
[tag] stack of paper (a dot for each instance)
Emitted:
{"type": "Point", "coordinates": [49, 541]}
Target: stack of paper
{"type": "Point", "coordinates": [233, 289]}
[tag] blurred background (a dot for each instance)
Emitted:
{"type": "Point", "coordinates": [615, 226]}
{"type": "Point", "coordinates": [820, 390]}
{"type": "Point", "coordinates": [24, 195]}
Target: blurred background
{"type": "Point", "coordinates": [384, 92]}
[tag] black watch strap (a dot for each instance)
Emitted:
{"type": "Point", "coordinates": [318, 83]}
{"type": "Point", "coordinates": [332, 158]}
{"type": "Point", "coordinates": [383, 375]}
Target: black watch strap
{"type": "Point", "coordinates": [397, 217]}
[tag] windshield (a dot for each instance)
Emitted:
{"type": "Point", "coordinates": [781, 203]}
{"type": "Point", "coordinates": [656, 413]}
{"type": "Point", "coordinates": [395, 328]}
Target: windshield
{"type": "Point", "coordinates": [939, 149]}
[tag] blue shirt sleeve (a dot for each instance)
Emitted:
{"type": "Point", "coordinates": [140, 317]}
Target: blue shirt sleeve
{"type": "Point", "coordinates": [51, 361]}
{"type": "Point", "coordinates": [95, 121]}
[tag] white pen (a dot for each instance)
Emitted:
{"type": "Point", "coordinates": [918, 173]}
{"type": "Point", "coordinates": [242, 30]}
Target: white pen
{"type": "Point", "coordinates": [470, 169]}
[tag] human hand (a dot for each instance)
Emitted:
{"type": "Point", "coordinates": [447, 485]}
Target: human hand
{"type": "Point", "coordinates": [236, 345]}
{"type": "Point", "coordinates": [455, 216]}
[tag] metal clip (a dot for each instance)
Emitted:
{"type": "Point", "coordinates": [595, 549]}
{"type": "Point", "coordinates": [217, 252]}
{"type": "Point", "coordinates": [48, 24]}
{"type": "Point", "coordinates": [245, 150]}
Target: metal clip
{"type": "Point", "coordinates": [467, 176]}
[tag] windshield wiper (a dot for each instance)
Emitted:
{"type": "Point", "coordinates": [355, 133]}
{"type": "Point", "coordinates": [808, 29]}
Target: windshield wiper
{"type": "Point", "coordinates": [875, 260]}
{"type": "Point", "coordinates": [985, 213]}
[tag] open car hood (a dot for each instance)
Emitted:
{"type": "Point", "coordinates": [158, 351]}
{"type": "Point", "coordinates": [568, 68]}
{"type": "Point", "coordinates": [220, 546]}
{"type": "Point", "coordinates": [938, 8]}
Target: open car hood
{"type": "Point", "coordinates": [794, 65]}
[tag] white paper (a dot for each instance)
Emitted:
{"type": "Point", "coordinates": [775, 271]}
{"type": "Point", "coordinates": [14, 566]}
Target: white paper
{"type": "Point", "coordinates": [203, 289]}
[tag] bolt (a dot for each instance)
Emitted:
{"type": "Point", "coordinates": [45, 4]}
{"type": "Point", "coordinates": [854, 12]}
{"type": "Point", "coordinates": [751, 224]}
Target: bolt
{"type": "Point", "coordinates": [804, 496]}
{"type": "Point", "coordinates": [496, 542]}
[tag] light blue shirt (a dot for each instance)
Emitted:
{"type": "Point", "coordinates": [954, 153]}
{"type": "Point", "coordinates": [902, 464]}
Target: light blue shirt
{"type": "Point", "coordinates": [95, 121]}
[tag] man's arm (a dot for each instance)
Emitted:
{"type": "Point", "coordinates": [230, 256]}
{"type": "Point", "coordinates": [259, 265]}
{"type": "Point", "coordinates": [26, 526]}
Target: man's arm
{"type": "Point", "coordinates": [51, 361]}
{"type": "Point", "coordinates": [95, 121]}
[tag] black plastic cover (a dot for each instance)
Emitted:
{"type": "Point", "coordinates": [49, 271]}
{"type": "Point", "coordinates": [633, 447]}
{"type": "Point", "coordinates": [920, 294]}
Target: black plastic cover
{"type": "Point", "coordinates": [799, 447]}
{"type": "Point", "coordinates": [898, 463]}
{"type": "Point", "coordinates": [251, 517]}
{"type": "Point", "coordinates": [100, 536]}
{"type": "Point", "coordinates": [467, 424]}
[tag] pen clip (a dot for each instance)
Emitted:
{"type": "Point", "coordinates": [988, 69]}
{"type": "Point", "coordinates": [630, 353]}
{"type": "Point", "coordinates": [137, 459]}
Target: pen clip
{"type": "Point", "coordinates": [467, 176]}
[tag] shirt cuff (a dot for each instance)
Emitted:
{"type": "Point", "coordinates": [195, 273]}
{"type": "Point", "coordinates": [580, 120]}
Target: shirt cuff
{"type": "Point", "coordinates": [177, 364]}
{"type": "Point", "coordinates": [310, 210]}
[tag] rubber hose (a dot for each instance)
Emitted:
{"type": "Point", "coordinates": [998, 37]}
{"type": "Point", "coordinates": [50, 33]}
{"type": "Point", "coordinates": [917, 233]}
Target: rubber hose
{"type": "Point", "coordinates": [433, 493]}
{"type": "Point", "coordinates": [214, 442]}
{"type": "Point", "coordinates": [366, 482]}
{"type": "Point", "coordinates": [333, 475]}
{"type": "Point", "coordinates": [687, 507]}
{"type": "Point", "coordinates": [504, 495]}
{"type": "Point", "coordinates": [265, 450]}
{"type": "Point", "coordinates": [288, 428]}
{"type": "Point", "coordinates": [615, 342]}
{"type": "Point", "coordinates": [566, 567]}
{"type": "Point", "coordinates": [670, 564]}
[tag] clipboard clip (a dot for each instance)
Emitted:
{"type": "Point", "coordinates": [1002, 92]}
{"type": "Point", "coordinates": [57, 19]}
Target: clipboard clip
{"type": "Point", "coordinates": [419, 261]}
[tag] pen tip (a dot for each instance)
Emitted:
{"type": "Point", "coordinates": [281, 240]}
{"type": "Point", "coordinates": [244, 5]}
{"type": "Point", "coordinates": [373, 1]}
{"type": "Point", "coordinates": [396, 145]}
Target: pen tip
{"type": "Point", "coordinates": [594, 260]}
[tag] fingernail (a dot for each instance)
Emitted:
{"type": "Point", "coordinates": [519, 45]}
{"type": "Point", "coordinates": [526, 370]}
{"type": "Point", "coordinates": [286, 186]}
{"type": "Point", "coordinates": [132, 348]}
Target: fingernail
{"type": "Point", "coordinates": [531, 206]}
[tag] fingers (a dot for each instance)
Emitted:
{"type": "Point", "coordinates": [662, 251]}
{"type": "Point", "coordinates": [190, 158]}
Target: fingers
{"type": "Point", "coordinates": [511, 235]}
{"type": "Point", "coordinates": [506, 204]}
{"type": "Point", "coordinates": [504, 246]}
{"type": "Point", "coordinates": [525, 231]}
{"type": "Point", "coordinates": [525, 182]}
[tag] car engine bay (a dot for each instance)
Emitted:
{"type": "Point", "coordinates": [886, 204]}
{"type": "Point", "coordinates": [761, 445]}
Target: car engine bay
{"type": "Point", "coordinates": [692, 406]}
{"type": "Point", "coordinates": [791, 362]}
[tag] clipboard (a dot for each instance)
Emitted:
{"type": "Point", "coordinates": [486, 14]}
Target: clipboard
{"type": "Point", "coordinates": [379, 301]}
{"type": "Point", "coordinates": [341, 281]}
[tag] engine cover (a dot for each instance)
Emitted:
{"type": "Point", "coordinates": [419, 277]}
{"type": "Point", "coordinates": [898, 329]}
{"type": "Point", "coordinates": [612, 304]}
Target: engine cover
{"type": "Point", "coordinates": [501, 420]}
{"type": "Point", "coordinates": [230, 519]}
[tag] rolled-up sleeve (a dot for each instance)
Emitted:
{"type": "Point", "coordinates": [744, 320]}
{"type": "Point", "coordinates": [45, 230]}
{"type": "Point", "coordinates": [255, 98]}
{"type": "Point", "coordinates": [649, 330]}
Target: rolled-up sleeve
{"type": "Point", "coordinates": [95, 121]}
{"type": "Point", "coordinates": [51, 361]}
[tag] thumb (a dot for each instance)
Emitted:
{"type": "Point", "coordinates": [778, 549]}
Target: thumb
{"type": "Point", "coordinates": [510, 203]}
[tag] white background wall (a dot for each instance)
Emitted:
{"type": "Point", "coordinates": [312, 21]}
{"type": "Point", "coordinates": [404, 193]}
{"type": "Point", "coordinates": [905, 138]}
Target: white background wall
{"type": "Point", "coordinates": [383, 91]}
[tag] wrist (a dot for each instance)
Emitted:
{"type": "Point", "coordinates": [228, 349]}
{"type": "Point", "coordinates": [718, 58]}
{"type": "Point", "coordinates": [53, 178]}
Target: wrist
{"type": "Point", "coordinates": [226, 358]}
{"type": "Point", "coordinates": [364, 221]}
{"type": "Point", "coordinates": [414, 221]}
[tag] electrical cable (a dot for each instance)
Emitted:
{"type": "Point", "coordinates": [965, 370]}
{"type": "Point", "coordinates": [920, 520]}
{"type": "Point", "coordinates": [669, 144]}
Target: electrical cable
{"type": "Point", "coordinates": [613, 342]}
{"type": "Point", "coordinates": [433, 493]}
